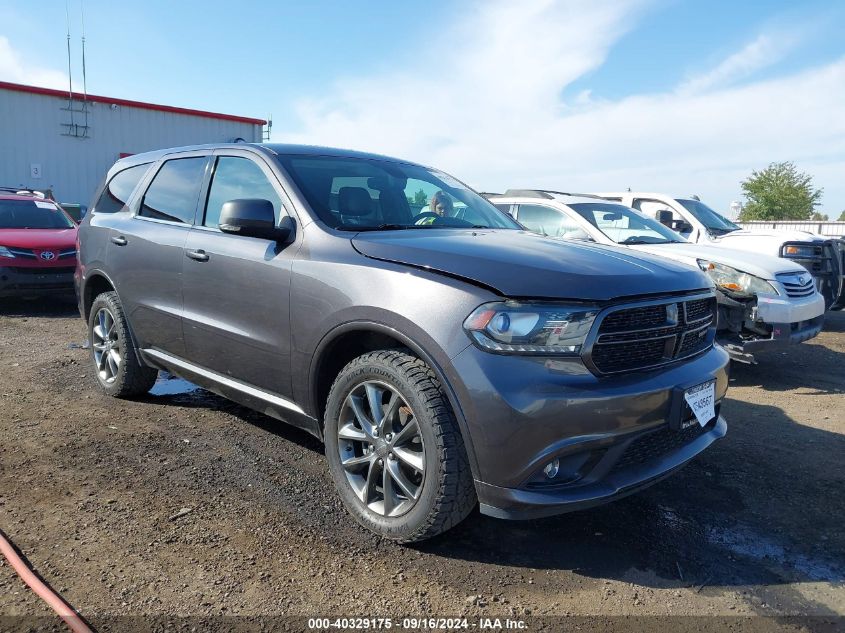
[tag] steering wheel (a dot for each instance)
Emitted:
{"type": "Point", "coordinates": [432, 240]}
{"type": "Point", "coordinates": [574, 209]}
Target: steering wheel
{"type": "Point", "coordinates": [425, 214]}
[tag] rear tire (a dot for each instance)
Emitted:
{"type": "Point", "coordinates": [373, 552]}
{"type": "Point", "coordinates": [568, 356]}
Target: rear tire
{"type": "Point", "coordinates": [406, 477]}
{"type": "Point", "coordinates": [116, 365]}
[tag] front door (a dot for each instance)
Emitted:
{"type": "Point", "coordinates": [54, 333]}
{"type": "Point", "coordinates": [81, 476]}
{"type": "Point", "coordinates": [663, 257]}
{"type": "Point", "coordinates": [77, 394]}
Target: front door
{"type": "Point", "coordinates": [236, 289]}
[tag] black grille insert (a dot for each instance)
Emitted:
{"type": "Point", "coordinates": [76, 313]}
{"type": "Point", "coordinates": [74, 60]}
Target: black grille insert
{"type": "Point", "coordinates": [652, 446]}
{"type": "Point", "coordinates": [639, 337]}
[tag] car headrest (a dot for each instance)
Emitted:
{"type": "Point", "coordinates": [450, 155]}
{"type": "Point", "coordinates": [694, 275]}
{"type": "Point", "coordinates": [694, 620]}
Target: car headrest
{"type": "Point", "coordinates": [354, 201]}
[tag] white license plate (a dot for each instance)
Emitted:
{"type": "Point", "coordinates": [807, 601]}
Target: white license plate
{"type": "Point", "coordinates": [702, 399]}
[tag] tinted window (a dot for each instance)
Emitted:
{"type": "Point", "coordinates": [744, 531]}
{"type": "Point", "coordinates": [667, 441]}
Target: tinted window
{"type": "Point", "coordinates": [504, 208]}
{"type": "Point", "coordinates": [358, 194]}
{"type": "Point", "coordinates": [238, 178]}
{"type": "Point", "coordinates": [117, 192]}
{"type": "Point", "coordinates": [545, 220]}
{"type": "Point", "coordinates": [172, 196]}
{"type": "Point", "coordinates": [28, 214]}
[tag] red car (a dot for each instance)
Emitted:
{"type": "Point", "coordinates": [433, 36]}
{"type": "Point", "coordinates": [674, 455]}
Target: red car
{"type": "Point", "coordinates": [37, 246]}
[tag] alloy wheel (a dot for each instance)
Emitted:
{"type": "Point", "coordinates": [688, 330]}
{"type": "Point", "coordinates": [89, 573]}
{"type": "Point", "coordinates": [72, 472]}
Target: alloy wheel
{"type": "Point", "coordinates": [106, 346]}
{"type": "Point", "coordinates": [381, 448]}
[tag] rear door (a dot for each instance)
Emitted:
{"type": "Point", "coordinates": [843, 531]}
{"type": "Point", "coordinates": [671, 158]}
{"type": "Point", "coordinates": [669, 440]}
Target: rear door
{"type": "Point", "coordinates": [146, 250]}
{"type": "Point", "coordinates": [237, 289]}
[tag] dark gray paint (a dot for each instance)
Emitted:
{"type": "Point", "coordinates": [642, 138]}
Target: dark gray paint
{"type": "Point", "coordinates": [257, 317]}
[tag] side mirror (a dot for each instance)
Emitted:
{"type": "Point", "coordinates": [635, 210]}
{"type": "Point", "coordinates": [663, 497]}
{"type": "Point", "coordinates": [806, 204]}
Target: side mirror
{"type": "Point", "coordinates": [253, 217]}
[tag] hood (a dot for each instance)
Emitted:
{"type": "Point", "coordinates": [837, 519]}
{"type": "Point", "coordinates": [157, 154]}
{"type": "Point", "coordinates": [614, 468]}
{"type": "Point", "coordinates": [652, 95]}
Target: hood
{"type": "Point", "coordinates": [39, 238]}
{"type": "Point", "coordinates": [759, 265]}
{"type": "Point", "coordinates": [779, 235]}
{"type": "Point", "coordinates": [520, 264]}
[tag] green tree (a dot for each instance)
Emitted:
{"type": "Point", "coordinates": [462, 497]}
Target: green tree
{"type": "Point", "coordinates": [419, 199]}
{"type": "Point", "coordinates": [819, 217]}
{"type": "Point", "coordinates": [842, 217]}
{"type": "Point", "coordinates": [779, 192]}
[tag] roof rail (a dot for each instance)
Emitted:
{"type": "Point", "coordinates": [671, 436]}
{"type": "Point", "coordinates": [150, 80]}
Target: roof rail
{"type": "Point", "coordinates": [23, 190]}
{"type": "Point", "coordinates": [547, 194]}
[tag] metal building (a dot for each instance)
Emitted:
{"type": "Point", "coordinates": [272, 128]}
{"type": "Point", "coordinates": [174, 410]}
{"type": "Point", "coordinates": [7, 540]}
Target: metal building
{"type": "Point", "coordinates": [53, 139]}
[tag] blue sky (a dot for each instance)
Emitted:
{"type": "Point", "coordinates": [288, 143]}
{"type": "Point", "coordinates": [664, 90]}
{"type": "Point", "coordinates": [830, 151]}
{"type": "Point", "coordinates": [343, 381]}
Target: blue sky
{"type": "Point", "coordinates": [665, 95]}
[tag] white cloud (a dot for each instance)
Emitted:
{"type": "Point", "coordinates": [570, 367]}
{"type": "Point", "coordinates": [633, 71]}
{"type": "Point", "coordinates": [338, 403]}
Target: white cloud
{"type": "Point", "coordinates": [484, 103]}
{"type": "Point", "coordinates": [766, 50]}
{"type": "Point", "coordinates": [15, 69]}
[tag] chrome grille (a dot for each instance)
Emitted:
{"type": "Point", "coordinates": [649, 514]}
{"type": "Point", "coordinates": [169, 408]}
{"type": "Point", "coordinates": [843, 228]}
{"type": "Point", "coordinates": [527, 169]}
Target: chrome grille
{"type": "Point", "coordinates": [797, 285]}
{"type": "Point", "coordinates": [23, 252]}
{"type": "Point", "coordinates": [644, 336]}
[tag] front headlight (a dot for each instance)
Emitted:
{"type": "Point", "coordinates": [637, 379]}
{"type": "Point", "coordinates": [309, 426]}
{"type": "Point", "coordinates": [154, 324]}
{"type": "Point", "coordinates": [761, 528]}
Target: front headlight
{"type": "Point", "coordinates": [736, 281]}
{"type": "Point", "coordinates": [510, 327]}
{"type": "Point", "coordinates": [5, 252]}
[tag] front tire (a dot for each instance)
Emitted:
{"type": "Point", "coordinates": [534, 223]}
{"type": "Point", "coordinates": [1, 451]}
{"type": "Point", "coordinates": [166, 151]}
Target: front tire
{"type": "Point", "coordinates": [394, 449]}
{"type": "Point", "coordinates": [116, 366]}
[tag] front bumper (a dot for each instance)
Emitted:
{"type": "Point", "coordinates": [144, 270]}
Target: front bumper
{"type": "Point", "coordinates": [774, 323]}
{"type": "Point", "coordinates": [35, 281]}
{"type": "Point", "coordinates": [621, 478]}
{"type": "Point", "coordinates": [523, 412]}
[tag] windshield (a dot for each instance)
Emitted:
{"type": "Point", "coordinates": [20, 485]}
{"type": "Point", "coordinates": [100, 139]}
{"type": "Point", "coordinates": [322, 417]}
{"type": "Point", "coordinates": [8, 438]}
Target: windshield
{"type": "Point", "coordinates": [360, 194]}
{"type": "Point", "coordinates": [623, 225]}
{"type": "Point", "coordinates": [29, 214]}
{"type": "Point", "coordinates": [713, 222]}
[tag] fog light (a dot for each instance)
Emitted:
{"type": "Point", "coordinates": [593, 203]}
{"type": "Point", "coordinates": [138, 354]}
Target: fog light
{"type": "Point", "coordinates": [552, 469]}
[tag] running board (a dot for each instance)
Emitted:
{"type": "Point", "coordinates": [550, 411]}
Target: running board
{"type": "Point", "coordinates": [225, 381]}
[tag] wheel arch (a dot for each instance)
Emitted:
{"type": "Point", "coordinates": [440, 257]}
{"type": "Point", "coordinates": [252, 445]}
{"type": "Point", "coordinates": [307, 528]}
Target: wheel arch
{"type": "Point", "coordinates": [350, 340]}
{"type": "Point", "coordinates": [96, 283]}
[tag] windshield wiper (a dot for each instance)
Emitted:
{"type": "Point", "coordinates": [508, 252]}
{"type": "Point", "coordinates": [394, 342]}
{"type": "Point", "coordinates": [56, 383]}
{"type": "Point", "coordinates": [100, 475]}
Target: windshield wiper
{"type": "Point", "coordinates": [634, 241]}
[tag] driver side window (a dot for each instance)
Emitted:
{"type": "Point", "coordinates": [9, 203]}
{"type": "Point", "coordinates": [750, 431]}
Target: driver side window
{"type": "Point", "coordinates": [661, 212]}
{"type": "Point", "coordinates": [236, 177]}
{"type": "Point", "coordinates": [419, 193]}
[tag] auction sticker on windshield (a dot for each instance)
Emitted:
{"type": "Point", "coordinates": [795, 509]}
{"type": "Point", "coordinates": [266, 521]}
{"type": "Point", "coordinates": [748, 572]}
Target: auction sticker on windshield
{"type": "Point", "coordinates": [701, 400]}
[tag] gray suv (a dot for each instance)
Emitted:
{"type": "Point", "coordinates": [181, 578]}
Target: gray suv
{"type": "Point", "coordinates": [445, 357]}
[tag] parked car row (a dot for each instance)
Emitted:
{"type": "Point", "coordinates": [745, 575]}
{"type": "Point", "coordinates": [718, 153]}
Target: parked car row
{"type": "Point", "coordinates": [764, 301]}
{"type": "Point", "coordinates": [446, 356]}
{"type": "Point", "coordinates": [699, 224]}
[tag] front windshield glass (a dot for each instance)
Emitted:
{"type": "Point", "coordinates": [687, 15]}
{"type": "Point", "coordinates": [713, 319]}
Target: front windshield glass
{"type": "Point", "coordinates": [714, 222]}
{"type": "Point", "coordinates": [361, 194]}
{"type": "Point", "coordinates": [29, 214]}
{"type": "Point", "coordinates": [624, 225]}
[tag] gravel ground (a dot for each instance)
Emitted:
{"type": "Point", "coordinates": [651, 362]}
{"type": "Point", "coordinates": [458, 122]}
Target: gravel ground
{"type": "Point", "coordinates": [183, 507]}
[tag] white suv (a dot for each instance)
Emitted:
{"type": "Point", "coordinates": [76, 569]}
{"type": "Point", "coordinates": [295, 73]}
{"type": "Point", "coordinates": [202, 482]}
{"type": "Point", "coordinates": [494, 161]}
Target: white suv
{"type": "Point", "coordinates": [764, 301]}
{"type": "Point", "coordinates": [700, 224]}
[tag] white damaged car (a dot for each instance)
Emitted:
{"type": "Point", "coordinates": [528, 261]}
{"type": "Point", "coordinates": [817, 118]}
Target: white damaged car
{"type": "Point", "coordinates": [765, 302]}
{"type": "Point", "coordinates": [699, 224]}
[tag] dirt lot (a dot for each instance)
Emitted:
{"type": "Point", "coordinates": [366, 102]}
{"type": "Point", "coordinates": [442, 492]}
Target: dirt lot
{"type": "Point", "coordinates": [89, 486]}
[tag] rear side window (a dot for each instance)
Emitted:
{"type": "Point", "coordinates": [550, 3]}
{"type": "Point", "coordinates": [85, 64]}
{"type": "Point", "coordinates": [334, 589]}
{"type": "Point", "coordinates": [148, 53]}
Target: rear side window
{"type": "Point", "coordinates": [545, 220]}
{"type": "Point", "coordinates": [236, 178]}
{"type": "Point", "coordinates": [116, 193]}
{"type": "Point", "coordinates": [173, 193]}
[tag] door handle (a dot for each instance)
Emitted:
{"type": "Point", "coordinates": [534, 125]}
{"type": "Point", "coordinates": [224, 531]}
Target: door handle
{"type": "Point", "coordinates": [200, 256]}
{"type": "Point", "coordinates": [119, 240]}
